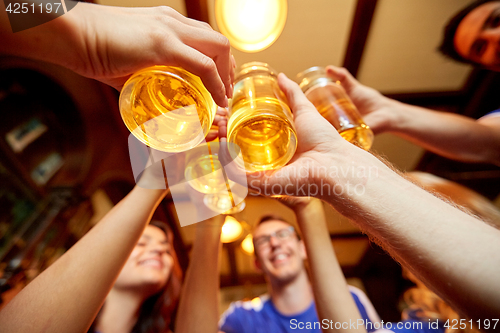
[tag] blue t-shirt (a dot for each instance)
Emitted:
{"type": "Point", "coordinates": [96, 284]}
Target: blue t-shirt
{"type": "Point", "coordinates": [415, 324]}
{"type": "Point", "coordinates": [494, 113]}
{"type": "Point", "coordinates": [262, 317]}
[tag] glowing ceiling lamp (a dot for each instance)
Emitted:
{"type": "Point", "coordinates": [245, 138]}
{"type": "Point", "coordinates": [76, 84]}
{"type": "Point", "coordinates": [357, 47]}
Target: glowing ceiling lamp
{"type": "Point", "coordinates": [247, 244]}
{"type": "Point", "coordinates": [251, 25]}
{"type": "Point", "coordinates": [231, 230]}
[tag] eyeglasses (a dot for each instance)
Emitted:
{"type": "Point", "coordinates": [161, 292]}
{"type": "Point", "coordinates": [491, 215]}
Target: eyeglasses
{"type": "Point", "coordinates": [282, 234]}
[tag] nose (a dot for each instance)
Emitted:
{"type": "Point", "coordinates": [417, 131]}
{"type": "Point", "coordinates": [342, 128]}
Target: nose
{"type": "Point", "coordinates": [274, 241]}
{"type": "Point", "coordinates": [157, 248]}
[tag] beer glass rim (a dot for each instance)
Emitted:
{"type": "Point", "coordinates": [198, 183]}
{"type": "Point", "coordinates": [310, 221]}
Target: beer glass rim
{"type": "Point", "coordinates": [253, 66]}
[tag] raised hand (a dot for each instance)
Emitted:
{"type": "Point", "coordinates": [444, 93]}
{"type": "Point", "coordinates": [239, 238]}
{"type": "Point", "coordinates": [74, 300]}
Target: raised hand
{"type": "Point", "coordinates": [320, 148]}
{"type": "Point", "coordinates": [119, 41]}
{"type": "Point", "coordinates": [110, 43]}
{"type": "Point", "coordinates": [375, 108]}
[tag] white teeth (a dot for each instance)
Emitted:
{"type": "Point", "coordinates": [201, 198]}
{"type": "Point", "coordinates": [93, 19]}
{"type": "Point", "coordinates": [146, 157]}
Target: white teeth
{"type": "Point", "coordinates": [151, 262]}
{"type": "Point", "coordinates": [280, 257]}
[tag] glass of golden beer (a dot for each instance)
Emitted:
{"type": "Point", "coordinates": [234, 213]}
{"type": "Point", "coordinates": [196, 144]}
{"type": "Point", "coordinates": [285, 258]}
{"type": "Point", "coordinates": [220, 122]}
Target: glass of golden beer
{"type": "Point", "coordinates": [333, 103]}
{"type": "Point", "coordinates": [167, 108]}
{"type": "Point", "coordinates": [204, 173]}
{"type": "Point", "coordinates": [203, 170]}
{"type": "Point", "coordinates": [224, 203]}
{"type": "Point", "coordinates": [260, 124]}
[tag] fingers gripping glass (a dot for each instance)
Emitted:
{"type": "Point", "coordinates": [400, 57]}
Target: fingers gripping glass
{"type": "Point", "coordinates": [282, 234]}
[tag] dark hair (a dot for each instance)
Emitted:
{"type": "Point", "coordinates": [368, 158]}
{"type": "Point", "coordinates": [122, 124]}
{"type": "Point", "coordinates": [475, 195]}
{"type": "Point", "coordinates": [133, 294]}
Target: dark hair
{"type": "Point", "coordinates": [271, 217]}
{"type": "Point", "coordinates": [157, 311]}
{"type": "Point", "coordinates": [447, 46]}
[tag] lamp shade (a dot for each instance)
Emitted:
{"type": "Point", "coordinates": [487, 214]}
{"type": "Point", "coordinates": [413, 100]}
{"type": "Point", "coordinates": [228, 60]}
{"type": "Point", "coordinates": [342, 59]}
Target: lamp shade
{"type": "Point", "coordinates": [251, 25]}
{"type": "Point", "coordinates": [247, 244]}
{"type": "Point", "coordinates": [231, 230]}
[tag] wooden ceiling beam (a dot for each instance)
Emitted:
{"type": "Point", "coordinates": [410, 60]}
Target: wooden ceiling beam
{"type": "Point", "coordinates": [365, 9]}
{"type": "Point", "coordinates": [197, 9]}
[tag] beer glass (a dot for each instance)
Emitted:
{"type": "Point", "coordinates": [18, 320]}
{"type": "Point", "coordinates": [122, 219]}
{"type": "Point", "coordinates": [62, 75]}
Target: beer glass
{"type": "Point", "coordinates": [260, 126]}
{"type": "Point", "coordinates": [204, 173]}
{"type": "Point", "coordinates": [333, 103]}
{"type": "Point", "coordinates": [167, 108]}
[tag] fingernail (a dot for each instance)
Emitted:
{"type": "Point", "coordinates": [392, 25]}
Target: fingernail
{"type": "Point", "coordinates": [226, 102]}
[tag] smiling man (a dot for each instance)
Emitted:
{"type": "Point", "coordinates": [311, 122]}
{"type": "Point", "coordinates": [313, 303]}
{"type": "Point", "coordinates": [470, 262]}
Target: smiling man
{"type": "Point", "coordinates": [473, 35]}
{"type": "Point", "coordinates": [289, 306]}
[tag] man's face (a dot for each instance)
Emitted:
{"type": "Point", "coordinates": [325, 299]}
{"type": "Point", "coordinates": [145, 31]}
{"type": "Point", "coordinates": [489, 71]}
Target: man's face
{"type": "Point", "coordinates": [478, 36]}
{"type": "Point", "coordinates": [279, 253]}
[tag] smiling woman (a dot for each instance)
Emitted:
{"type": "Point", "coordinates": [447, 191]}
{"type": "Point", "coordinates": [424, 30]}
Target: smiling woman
{"type": "Point", "coordinates": [149, 284]}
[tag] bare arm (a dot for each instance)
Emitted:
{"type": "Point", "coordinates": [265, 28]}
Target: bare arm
{"type": "Point", "coordinates": [454, 254]}
{"type": "Point", "coordinates": [450, 135]}
{"type": "Point", "coordinates": [67, 296]}
{"type": "Point", "coordinates": [199, 303]}
{"type": "Point", "coordinates": [110, 43]}
{"type": "Point", "coordinates": [333, 300]}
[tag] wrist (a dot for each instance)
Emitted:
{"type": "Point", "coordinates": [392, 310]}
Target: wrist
{"type": "Point", "coordinates": [398, 115]}
{"type": "Point", "coordinates": [211, 227]}
{"type": "Point", "coordinates": [79, 24]}
{"type": "Point", "coordinates": [68, 32]}
{"type": "Point", "coordinates": [307, 206]}
{"type": "Point", "coordinates": [349, 179]}
{"type": "Point", "coordinates": [153, 194]}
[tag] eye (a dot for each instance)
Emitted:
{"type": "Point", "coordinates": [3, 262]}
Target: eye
{"type": "Point", "coordinates": [283, 233]}
{"type": "Point", "coordinates": [478, 48]}
{"type": "Point", "coordinates": [493, 21]}
{"type": "Point", "coordinates": [496, 21]}
{"type": "Point", "coordinates": [260, 241]}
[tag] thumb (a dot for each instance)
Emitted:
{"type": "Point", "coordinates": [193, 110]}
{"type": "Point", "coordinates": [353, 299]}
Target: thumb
{"type": "Point", "coordinates": [298, 101]}
{"type": "Point", "coordinates": [341, 74]}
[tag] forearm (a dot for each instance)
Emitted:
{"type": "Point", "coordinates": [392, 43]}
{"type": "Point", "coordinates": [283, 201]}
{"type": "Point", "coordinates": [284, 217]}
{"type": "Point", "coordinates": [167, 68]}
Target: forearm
{"type": "Point", "coordinates": [450, 135]}
{"type": "Point", "coordinates": [67, 296]}
{"type": "Point", "coordinates": [334, 302]}
{"type": "Point", "coordinates": [199, 306]}
{"type": "Point", "coordinates": [56, 41]}
{"type": "Point", "coordinates": [455, 254]}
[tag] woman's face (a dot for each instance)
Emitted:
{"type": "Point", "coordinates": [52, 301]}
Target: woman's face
{"type": "Point", "coordinates": [149, 265]}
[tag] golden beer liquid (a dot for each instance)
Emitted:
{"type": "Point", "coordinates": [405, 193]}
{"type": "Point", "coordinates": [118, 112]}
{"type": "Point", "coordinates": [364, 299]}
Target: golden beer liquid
{"type": "Point", "coordinates": [335, 107]}
{"type": "Point", "coordinates": [167, 108]}
{"type": "Point", "coordinates": [260, 125]}
{"type": "Point", "coordinates": [224, 203]}
{"type": "Point", "coordinates": [204, 174]}
{"type": "Point", "coordinates": [333, 103]}
{"type": "Point", "coordinates": [361, 136]}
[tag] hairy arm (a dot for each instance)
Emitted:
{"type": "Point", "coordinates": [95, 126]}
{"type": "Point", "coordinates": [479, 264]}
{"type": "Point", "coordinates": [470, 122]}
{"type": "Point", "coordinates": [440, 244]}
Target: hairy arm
{"type": "Point", "coordinates": [67, 296]}
{"type": "Point", "coordinates": [333, 300]}
{"type": "Point", "coordinates": [453, 253]}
